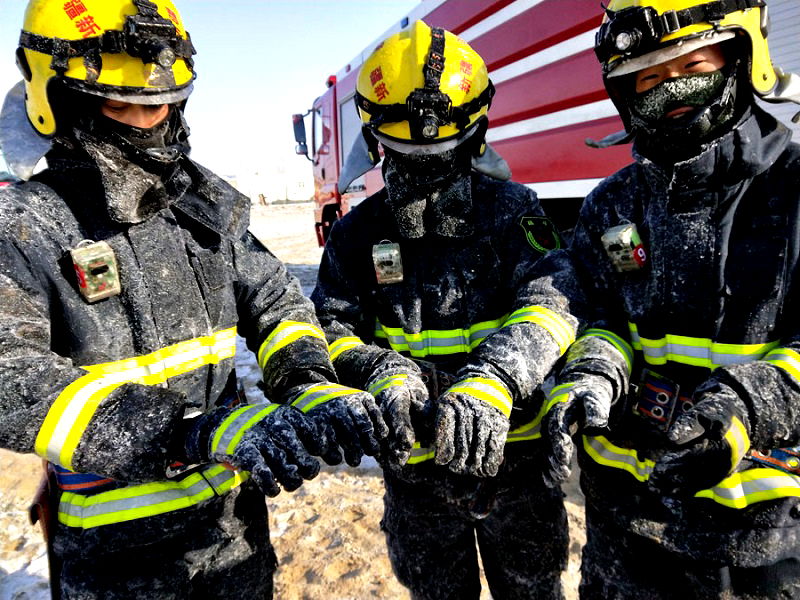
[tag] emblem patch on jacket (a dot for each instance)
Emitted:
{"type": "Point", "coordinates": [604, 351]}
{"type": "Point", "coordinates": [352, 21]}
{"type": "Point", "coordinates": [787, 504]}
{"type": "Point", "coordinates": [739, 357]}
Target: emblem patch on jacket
{"type": "Point", "coordinates": [541, 234]}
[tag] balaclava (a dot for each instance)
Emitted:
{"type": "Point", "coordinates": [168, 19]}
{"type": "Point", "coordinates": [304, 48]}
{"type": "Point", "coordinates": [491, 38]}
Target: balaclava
{"type": "Point", "coordinates": [134, 164]}
{"type": "Point", "coordinates": [719, 99]}
{"type": "Point", "coordinates": [430, 193]}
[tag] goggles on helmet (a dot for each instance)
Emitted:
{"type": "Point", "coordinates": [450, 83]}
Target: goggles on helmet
{"type": "Point", "coordinates": [427, 108]}
{"type": "Point", "coordinates": [638, 30]}
{"type": "Point", "coordinates": [146, 35]}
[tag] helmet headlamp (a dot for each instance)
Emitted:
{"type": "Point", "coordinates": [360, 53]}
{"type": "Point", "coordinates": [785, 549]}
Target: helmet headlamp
{"type": "Point", "coordinates": [428, 110]}
{"type": "Point", "coordinates": [150, 37]}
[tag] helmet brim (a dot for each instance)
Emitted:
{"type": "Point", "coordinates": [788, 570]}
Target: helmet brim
{"type": "Point", "coordinates": [146, 96]}
{"type": "Point", "coordinates": [679, 48]}
{"type": "Point", "coordinates": [409, 147]}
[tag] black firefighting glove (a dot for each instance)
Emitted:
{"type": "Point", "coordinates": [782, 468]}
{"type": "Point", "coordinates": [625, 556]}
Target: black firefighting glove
{"type": "Point", "coordinates": [583, 401]}
{"type": "Point", "coordinates": [710, 440]}
{"type": "Point", "coordinates": [349, 418]}
{"type": "Point", "coordinates": [472, 420]}
{"type": "Point", "coordinates": [400, 393]}
{"type": "Point", "coordinates": [273, 442]}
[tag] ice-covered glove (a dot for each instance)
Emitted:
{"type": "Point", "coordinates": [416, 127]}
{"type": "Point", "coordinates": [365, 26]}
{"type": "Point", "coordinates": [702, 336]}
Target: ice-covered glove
{"type": "Point", "coordinates": [274, 443]}
{"type": "Point", "coordinates": [583, 401]}
{"type": "Point", "coordinates": [349, 417]}
{"type": "Point", "coordinates": [399, 396]}
{"type": "Point", "coordinates": [472, 420]}
{"type": "Point", "coordinates": [710, 439]}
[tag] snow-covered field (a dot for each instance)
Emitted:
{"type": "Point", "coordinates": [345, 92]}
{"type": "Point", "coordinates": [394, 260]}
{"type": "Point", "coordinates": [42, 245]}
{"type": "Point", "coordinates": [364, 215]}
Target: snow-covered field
{"type": "Point", "coordinates": [326, 533]}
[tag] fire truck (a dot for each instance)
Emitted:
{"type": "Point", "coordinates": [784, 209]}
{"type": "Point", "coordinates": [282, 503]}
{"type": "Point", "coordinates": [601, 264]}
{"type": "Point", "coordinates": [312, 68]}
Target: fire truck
{"type": "Point", "coordinates": [550, 99]}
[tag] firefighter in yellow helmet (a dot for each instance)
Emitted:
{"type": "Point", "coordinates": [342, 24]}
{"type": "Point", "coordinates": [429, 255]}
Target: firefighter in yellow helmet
{"type": "Point", "coordinates": [127, 271]}
{"type": "Point", "coordinates": [428, 296]}
{"type": "Point", "coordinates": [687, 259]}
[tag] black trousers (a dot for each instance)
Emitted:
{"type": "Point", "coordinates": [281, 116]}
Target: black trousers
{"type": "Point", "coordinates": [231, 558]}
{"type": "Point", "coordinates": [436, 529]}
{"type": "Point", "coordinates": [620, 565]}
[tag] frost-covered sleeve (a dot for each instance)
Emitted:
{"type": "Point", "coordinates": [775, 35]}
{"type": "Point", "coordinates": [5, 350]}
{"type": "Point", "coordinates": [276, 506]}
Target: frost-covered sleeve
{"type": "Point", "coordinates": [770, 390]}
{"type": "Point", "coordinates": [81, 418]}
{"type": "Point", "coordinates": [278, 322]}
{"type": "Point", "coordinates": [344, 311]}
{"type": "Point", "coordinates": [602, 348]}
{"type": "Point", "coordinates": [541, 325]}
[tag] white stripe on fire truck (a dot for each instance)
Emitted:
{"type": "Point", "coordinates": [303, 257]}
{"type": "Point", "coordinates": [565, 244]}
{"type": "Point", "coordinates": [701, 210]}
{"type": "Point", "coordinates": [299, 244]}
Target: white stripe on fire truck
{"type": "Point", "coordinates": [537, 60]}
{"type": "Point", "coordinates": [496, 19]}
{"type": "Point", "coordinates": [584, 113]}
{"type": "Point", "coordinates": [574, 188]}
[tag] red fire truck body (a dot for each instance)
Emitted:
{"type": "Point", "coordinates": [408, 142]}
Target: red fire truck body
{"type": "Point", "coordinates": [550, 98]}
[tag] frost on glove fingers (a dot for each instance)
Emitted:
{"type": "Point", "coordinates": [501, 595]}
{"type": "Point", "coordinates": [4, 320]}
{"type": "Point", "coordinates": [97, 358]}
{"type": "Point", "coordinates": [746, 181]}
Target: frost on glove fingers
{"type": "Point", "coordinates": [400, 394]}
{"type": "Point", "coordinates": [472, 421]}
{"type": "Point", "coordinates": [710, 440]}
{"type": "Point", "coordinates": [584, 401]}
{"type": "Point", "coordinates": [274, 443]}
{"type": "Point", "coordinates": [350, 419]}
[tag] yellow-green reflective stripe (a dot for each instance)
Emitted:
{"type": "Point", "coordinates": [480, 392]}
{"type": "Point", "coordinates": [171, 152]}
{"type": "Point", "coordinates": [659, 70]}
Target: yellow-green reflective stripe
{"type": "Point", "coordinates": [612, 338]}
{"type": "Point", "coordinates": [284, 334]}
{"type": "Point", "coordinates": [490, 391]}
{"type": "Point", "coordinates": [698, 352]}
{"type": "Point", "coordinates": [343, 344]}
{"type": "Point", "coordinates": [745, 488]}
{"type": "Point", "coordinates": [318, 394]}
{"type": "Point", "coordinates": [555, 325]}
{"type": "Point", "coordinates": [229, 433]}
{"type": "Point", "coordinates": [420, 454]}
{"type": "Point", "coordinates": [437, 341]}
{"type": "Point", "coordinates": [787, 359]}
{"type": "Point", "coordinates": [533, 429]}
{"type": "Point", "coordinates": [69, 416]}
{"type": "Point", "coordinates": [146, 499]}
{"type": "Point", "coordinates": [738, 490]}
{"type": "Point", "coordinates": [524, 433]}
{"type": "Point", "coordinates": [605, 453]}
{"type": "Point", "coordinates": [738, 440]}
{"type": "Point", "coordinates": [380, 385]}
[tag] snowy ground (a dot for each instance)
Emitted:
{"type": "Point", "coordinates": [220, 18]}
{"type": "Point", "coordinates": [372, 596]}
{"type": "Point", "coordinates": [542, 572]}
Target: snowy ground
{"type": "Point", "coordinates": [326, 533]}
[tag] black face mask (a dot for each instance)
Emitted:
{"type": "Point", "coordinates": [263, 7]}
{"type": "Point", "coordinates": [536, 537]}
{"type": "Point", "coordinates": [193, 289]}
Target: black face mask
{"type": "Point", "coordinates": [428, 170]}
{"type": "Point", "coordinates": [429, 193]}
{"type": "Point", "coordinates": [156, 149]}
{"type": "Point", "coordinates": [716, 107]}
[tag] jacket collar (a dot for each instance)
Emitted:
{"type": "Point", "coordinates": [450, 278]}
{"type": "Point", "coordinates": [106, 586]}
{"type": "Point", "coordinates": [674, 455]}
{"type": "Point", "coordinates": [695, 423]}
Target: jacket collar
{"type": "Point", "coordinates": [746, 151]}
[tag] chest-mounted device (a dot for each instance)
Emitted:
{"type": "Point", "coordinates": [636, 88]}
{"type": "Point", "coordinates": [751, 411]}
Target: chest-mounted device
{"type": "Point", "coordinates": [96, 269]}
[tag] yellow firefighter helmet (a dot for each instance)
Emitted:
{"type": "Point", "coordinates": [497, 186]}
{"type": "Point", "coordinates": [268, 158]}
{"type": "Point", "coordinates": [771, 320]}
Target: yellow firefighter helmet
{"type": "Point", "coordinates": [423, 86]}
{"type": "Point", "coordinates": [131, 50]}
{"type": "Point", "coordinates": [636, 34]}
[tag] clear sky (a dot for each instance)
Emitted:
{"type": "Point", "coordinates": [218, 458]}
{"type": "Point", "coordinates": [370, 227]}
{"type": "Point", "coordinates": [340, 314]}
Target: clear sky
{"type": "Point", "coordinates": [258, 62]}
